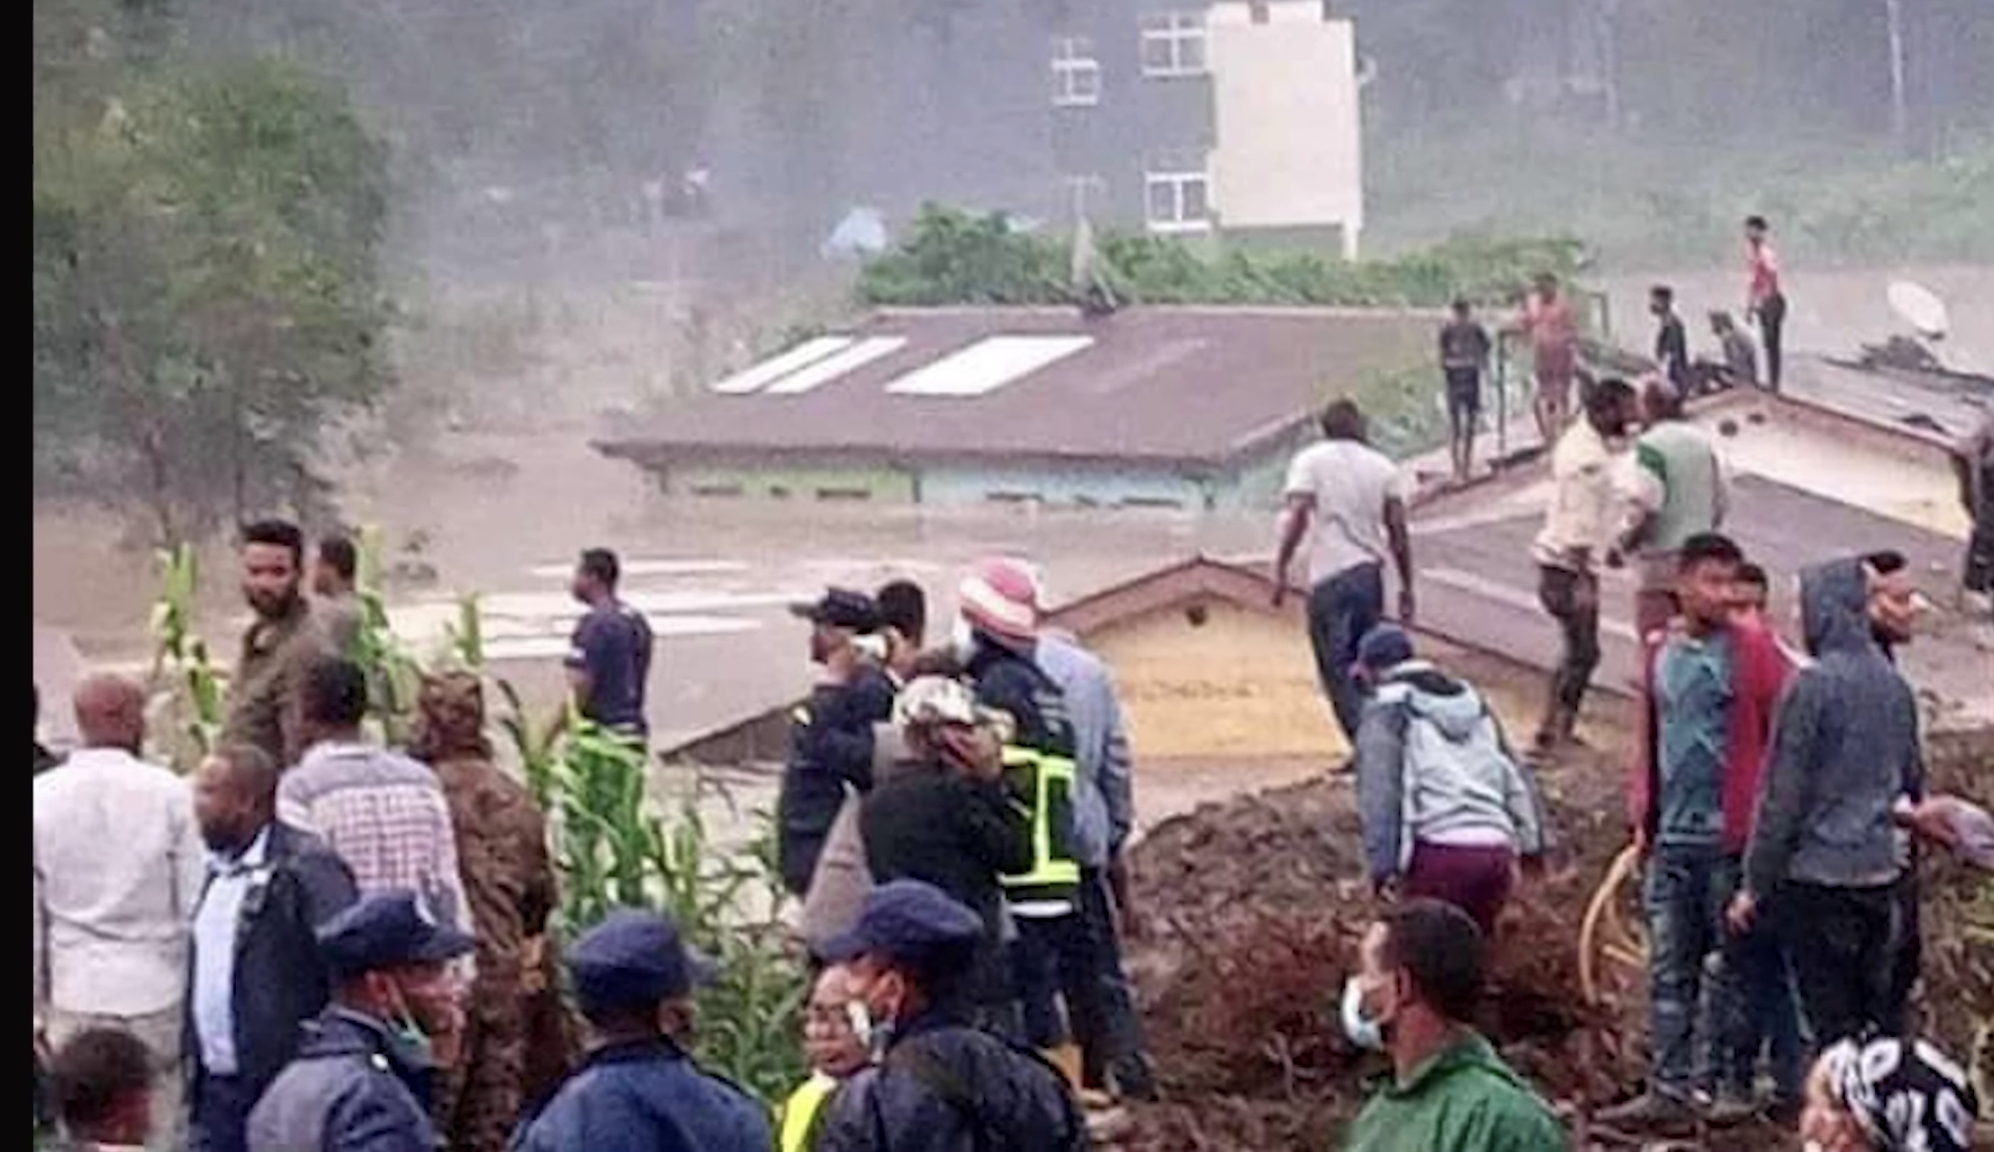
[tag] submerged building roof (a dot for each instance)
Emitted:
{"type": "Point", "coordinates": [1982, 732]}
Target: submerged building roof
{"type": "Point", "coordinates": [1171, 385]}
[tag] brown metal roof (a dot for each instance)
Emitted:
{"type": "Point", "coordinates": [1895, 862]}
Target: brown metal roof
{"type": "Point", "coordinates": [1190, 385]}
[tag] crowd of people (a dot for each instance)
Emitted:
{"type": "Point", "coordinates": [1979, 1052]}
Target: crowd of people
{"type": "Point", "coordinates": [1548, 323]}
{"type": "Point", "coordinates": [1776, 794]}
{"type": "Point", "coordinates": [318, 942]}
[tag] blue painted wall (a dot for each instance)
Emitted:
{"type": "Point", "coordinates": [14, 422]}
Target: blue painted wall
{"type": "Point", "coordinates": [1255, 484]}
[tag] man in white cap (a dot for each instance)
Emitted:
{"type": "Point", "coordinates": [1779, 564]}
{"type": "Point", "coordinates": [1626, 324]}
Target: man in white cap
{"type": "Point", "coordinates": [996, 641]}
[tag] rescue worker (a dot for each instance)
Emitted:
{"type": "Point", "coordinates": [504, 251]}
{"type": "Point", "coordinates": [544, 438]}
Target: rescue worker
{"type": "Point", "coordinates": [941, 1085]}
{"type": "Point", "coordinates": [831, 733]}
{"type": "Point", "coordinates": [638, 1090]}
{"type": "Point", "coordinates": [362, 1078]}
{"type": "Point", "coordinates": [1054, 955]}
{"type": "Point", "coordinates": [832, 1046]}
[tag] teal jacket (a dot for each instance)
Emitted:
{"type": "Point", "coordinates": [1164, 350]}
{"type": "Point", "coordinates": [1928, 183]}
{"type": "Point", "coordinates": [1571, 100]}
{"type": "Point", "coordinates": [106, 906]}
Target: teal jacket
{"type": "Point", "coordinates": [1463, 1099]}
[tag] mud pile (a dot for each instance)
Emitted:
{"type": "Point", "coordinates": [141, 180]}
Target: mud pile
{"type": "Point", "coordinates": [1247, 920]}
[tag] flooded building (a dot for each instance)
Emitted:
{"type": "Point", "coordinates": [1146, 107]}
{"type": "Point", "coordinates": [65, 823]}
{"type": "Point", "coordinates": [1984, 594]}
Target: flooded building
{"type": "Point", "coordinates": [1183, 408]}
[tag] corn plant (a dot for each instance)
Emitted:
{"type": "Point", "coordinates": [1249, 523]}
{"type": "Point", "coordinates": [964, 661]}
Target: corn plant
{"type": "Point", "coordinates": [184, 679]}
{"type": "Point", "coordinates": [607, 837]}
{"type": "Point", "coordinates": [615, 850]}
{"type": "Point", "coordinates": [393, 675]}
{"type": "Point", "coordinates": [612, 846]}
{"type": "Point", "coordinates": [752, 1015]}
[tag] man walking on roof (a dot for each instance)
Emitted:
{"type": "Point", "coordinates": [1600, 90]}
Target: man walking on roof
{"type": "Point", "coordinates": [1348, 500]}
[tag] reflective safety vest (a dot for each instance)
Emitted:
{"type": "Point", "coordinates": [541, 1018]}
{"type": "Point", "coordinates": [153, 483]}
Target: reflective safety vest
{"type": "Point", "coordinates": [802, 1110]}
{"type": "Point", "coordinates": [1041, 783]}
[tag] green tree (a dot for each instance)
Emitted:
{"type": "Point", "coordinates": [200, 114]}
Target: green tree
{"type": "Point", "coordinates": [952, 257]}
{"type": "Point", "coordinates": [207, 303]}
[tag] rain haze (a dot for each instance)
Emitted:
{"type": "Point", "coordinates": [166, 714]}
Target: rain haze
{"type": "Point", "coordinates": [591, 211]}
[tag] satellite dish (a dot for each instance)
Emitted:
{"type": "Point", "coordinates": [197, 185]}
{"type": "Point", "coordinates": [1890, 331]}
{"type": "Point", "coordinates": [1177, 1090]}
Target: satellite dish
{"type": "Point", "coordinates": [1919, 307]}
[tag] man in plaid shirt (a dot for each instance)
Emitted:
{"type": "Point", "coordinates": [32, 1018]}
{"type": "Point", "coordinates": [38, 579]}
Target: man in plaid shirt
{"type": "Point", "coordinates": [383, 813]}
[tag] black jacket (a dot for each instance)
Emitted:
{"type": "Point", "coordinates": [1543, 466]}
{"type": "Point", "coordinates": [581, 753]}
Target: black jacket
{"type": "Point", "coordinates": [944, 1087]}
{"type": "Point", "coordinates": [830, 746]}
{"type": "Point", "coordinates": [1011, 682]}
{"type": "Point", "coordinates": [280, 981]}
{"type": "Point", "coordinates": [930, 822]}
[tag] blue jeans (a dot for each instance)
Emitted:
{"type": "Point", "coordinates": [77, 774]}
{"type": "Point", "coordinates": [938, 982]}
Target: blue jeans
{"type": "Point", "coordinates": [1686, 892]}
{"type": "Point", "coordinates": [1341, 609]}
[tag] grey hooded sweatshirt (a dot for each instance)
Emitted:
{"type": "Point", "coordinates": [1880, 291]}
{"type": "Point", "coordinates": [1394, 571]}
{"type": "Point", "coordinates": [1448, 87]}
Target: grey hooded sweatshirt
{"type": "Point", "coordinates": [1844, 750]}
{"type": "Point", "coordinates": [1433, 767]}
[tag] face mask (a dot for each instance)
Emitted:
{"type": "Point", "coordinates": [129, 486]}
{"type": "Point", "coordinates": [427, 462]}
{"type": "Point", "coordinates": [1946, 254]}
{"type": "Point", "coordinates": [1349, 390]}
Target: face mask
{"type": "Point", "coordinates": [873, 1027]}
{"type": "Point", "coordinates": [962, 640]}
{"type": "Point", "coordinates": [1362, 1031]}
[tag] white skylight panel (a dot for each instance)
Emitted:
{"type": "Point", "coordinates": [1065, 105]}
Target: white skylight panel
{"type": "Point", "coordinates": [837, 364]}
{"type": "Point", "coordinates": [988, 365]}
{"type": "Point", "coordinates": [758, 376]}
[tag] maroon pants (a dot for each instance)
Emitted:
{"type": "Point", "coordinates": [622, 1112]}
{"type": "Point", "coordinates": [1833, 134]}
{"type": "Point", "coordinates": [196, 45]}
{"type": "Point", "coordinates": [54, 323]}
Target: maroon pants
{"type": "Point", "coordinates": [1475, 880]}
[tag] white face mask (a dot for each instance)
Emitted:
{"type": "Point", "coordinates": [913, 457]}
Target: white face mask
{"type": "Point", "coordinates": [1362, 1031]}
{"type": "Point", "coordinates": [962, 640]}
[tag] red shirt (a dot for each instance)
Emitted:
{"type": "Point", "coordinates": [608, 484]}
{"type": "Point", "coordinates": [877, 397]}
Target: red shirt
{"type": "Point", "coordinates": [1764, 265]}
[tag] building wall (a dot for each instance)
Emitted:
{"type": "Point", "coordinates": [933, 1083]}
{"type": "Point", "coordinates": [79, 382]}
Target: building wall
{"type": "Point", "coordinates": [1212, 680]}
{"type": "Point", "coordinates": [1285, 103]}
{"type": "Point", "coordinates": [875, 484]}
{"type": "Point", "coordinates": [1105, 485]}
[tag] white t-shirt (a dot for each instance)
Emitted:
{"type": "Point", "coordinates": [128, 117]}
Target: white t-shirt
{"type": "Point", "coordinates": [1350, 483]}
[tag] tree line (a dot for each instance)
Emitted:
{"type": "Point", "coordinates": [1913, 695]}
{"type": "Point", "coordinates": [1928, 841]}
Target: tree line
{"type": "Point", "coordinates": [208, 303]}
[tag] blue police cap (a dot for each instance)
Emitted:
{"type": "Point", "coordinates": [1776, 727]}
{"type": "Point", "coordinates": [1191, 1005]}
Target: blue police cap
{"type": "Point", "coordinates": [389, 929]}
{"type": "Point", "coordinates": [907, 921]}
{"type": "Point", "coordinates": [634, 958]}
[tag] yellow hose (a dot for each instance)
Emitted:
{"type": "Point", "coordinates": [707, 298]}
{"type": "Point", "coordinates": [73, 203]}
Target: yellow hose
{"type": "Point", "coordinates": [1602, 919]}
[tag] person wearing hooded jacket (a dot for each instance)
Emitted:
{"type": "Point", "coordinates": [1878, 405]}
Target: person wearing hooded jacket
{"type": "Point", "coordinates": [1054, 956]}
{"type": "Point", "coordinates": [1446, 805]}
{"type": "Point", "coordinates": [1843, 774]}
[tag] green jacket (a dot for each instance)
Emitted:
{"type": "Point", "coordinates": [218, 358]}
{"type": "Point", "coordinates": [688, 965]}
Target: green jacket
{"type": "Point", "coordinates": [1464, 1099]}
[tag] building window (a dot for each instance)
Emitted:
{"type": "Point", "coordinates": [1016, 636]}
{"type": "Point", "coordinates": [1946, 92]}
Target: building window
{"type": "Point", "coordinates": [1178, 200]}
{"type": "Point", "coordinates": [1076, 74]}
{"type": "Point", "coordinates": [1173, 44]}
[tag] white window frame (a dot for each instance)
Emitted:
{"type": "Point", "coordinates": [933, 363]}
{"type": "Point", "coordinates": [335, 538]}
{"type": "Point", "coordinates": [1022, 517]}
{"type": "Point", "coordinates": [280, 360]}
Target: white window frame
{"type": "Point", "coordinates": [1177, 179]}
{"type": "Point", "coordinates": [1181, 35]}
{"type": "Point", "coordinates": [1076, 73]}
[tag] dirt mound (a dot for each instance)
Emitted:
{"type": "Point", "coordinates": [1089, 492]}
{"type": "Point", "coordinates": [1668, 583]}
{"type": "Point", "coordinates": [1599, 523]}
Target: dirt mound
{"type": "Point", "coordinates": [1248, 915]}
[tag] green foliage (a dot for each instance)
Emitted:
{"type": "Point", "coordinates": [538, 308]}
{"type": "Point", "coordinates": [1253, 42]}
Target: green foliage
{"type": "Point", "coordinates": [184, 680]}
{"type": "Point", "coordinates": [616, 850]}
{"type": "Point", "coordinates": [394, 676]}
{"type": "Point", "coordinates": [207, 305]}
{"type": "Point", "coordinates": [952, 257]}
{"type": "Point", "coordinates": [614, 846]}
